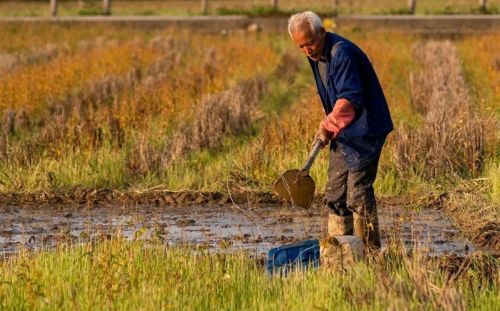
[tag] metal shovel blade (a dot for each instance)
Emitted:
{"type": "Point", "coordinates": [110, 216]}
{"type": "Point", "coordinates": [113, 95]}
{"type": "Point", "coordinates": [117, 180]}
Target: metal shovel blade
{"type": "Point", "coordinates": [297, 187]}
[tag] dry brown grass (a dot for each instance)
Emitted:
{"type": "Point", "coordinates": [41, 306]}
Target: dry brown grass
{"type": "Point", "coordinates": [218, 116]}
{"type": "Point", "coordinates": [80, 118]}
{"type": "Point", "coordinates": [131, 112]}
{"type": "Point", "coordinates": [212, 118]}
{"type": "Point", "coordinates": [452, 143]}
{"type": "Point", "coordinates": [474, 213]}
{"type": "Point", "coordinates": [452, 140]}
{"type": "Point", "coordinates": [48, 52]}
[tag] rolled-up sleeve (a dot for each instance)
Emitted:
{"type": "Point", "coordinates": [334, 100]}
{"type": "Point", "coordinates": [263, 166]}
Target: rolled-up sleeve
{"type": "Point", "coordinates": [347, 79]}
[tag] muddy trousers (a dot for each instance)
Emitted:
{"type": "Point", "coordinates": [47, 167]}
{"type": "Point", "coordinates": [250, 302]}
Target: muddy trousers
{"type": "Point", "coordinates": [350, 194]}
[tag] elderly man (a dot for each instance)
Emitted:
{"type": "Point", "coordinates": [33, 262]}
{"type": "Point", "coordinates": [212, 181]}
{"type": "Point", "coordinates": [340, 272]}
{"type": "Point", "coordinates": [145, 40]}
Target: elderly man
{"type": "Point", "coordinates": [356, 124]}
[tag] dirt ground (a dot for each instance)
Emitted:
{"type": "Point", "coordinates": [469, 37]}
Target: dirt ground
{"type": "Point", "coordinates": [252, 227]}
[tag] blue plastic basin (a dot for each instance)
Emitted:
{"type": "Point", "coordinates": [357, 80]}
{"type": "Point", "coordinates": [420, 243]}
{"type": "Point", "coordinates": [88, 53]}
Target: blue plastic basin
{"type": "Point", "coordinates": [285, 258]}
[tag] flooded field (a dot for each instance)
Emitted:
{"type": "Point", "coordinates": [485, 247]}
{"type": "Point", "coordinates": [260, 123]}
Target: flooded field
{"type": "Point", "coordinates": [255, 229]}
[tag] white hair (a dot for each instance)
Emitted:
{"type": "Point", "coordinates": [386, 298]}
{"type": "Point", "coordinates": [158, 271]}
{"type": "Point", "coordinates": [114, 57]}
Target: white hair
{"type": "Point", "coordinates": [308, 17]}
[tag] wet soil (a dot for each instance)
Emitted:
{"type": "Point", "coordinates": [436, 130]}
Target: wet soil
{"type": "Point", "coordinates": [255, 228]}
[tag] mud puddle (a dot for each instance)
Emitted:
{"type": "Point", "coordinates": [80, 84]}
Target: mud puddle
{"type": "Point", "coordinates": [214, 227]}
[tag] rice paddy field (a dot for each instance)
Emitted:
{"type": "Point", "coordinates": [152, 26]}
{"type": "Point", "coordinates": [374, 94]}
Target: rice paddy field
{"type": "Point", "coordinates": [136, 119]}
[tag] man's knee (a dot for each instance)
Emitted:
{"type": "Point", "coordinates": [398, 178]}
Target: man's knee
{"type": "Point", "coordinates": [362, 200]}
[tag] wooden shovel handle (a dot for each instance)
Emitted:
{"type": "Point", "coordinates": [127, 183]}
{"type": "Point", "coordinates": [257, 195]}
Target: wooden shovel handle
{"type": "Point", "coordinates": [312, 155]}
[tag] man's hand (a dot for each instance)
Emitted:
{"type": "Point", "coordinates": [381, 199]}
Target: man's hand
{"type": "Point", "coordinates": [342, 115]}
{"type": "Point", "coordinates": [324, 135]}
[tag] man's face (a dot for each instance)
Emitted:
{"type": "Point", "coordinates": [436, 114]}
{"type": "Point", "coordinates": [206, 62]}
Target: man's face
{"type": "Point", "coordinates": [311, 44]}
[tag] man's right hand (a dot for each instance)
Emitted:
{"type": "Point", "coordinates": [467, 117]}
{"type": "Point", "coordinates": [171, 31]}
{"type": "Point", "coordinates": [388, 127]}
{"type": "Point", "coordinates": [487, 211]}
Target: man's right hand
{"type": "Point", "coordinates": [324, 135]}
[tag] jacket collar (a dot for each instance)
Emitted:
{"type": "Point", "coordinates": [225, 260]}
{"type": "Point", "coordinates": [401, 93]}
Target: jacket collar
{"type": "Point", "coordinates": [330, 40]}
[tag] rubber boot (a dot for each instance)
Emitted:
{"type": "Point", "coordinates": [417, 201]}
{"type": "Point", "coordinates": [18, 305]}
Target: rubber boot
{"type": "Point", "coordinates": [339, 225]}
{"type": "Point", "coordinates": [367, 229]}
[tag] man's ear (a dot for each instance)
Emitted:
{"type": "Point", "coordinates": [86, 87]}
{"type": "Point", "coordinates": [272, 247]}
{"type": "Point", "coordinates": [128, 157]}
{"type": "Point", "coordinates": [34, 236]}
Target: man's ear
{"type": "Point", "coordinates": [322, 32]}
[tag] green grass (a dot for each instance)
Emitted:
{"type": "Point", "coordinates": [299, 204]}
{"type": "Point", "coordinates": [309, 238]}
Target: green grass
{"type": "Point", "coordinates": [104, 168]}
{"type": "Point", "coordinates": [148, 276]}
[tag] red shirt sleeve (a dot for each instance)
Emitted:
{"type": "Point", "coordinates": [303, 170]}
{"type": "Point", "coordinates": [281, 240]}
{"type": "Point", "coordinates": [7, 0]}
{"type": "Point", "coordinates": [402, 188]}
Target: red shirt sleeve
{"type": "Point", "coordinates": [342, 115]}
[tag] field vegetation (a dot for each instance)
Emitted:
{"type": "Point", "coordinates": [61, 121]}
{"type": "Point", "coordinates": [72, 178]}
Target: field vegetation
{"type": "Point", "coordinates": [254, 7]}
{"type": "Point", "coordinates": [136, 275]}
{"type": "Point", "coordinates": [145, 112]}
{"type": "Point", "coordinates": [109, 110]}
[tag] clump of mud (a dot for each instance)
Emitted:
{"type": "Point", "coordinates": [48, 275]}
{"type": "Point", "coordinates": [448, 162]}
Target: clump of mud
{"type": "Point", "coordinates": [158, 197]}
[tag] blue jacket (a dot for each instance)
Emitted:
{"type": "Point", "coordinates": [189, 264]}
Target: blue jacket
{"type": "Point", "coordinates": [350, 75]}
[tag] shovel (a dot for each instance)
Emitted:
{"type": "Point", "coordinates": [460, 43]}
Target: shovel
{"type": "Point", "coordinates": [296, 186]}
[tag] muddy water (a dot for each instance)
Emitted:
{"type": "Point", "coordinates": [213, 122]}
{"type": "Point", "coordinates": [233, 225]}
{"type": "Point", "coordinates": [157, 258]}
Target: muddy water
{"type": "Point", "coordinates": [214, 227]}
